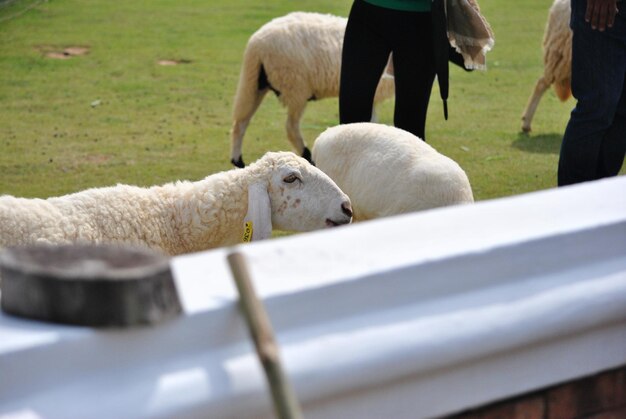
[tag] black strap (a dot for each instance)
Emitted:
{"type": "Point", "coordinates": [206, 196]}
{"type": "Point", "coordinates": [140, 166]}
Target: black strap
{"type": "Point", "coordinates": [441, 48]}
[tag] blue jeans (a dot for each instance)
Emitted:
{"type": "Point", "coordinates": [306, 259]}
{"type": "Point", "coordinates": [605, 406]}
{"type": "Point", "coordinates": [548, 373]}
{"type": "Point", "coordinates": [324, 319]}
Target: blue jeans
{"type": "Point", "coordinates": [594, 143]}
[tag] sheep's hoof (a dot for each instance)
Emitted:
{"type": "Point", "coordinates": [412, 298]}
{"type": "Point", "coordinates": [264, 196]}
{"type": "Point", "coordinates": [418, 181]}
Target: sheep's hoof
{"type": "Point", "coordinates": [306, 154]}
{"type": "Point", "coordinates": [525, 124]}
{"type": "Point", "coordinates": [238, 163]}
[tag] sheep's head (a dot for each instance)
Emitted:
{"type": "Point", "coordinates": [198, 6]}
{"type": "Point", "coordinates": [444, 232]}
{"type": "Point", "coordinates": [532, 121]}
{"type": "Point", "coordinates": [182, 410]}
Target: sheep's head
{"type": "Point", "coordinates": [302, 197]}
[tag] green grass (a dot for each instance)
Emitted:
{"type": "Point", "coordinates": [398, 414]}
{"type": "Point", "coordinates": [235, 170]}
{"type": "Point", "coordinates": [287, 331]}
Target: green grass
{"type": "Point", "coordinates": [116, 116]}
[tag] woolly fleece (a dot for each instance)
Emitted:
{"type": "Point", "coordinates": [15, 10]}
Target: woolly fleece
{"type": "Point", "coordinates": [301, 56]}
{"type": "Point", "coordinates": [179, 217]}
{"type": "Point", "coordinates": [387, 171]}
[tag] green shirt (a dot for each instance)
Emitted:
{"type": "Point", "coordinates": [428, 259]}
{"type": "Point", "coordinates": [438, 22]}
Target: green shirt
{"type": "Point", "coordinates": [405, 5]}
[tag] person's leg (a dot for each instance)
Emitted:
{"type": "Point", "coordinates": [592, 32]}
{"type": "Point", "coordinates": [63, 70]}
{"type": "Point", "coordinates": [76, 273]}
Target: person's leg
{"type": "Point", "coordinates": [598, 69]}
{"type": "Point", "coordinates": [614, 145]}
{"type": "Point", "coordinates": [364, 56]}
{"type": "Point", "coordinates": [414, 68]}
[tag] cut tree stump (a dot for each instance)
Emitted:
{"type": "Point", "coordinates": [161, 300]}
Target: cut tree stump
{"type": "Point", "coordinates": [88, 285]}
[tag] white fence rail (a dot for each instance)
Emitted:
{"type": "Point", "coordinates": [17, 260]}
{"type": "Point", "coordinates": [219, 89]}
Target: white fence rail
{"type": "Point", "coordinates": [413, 316]}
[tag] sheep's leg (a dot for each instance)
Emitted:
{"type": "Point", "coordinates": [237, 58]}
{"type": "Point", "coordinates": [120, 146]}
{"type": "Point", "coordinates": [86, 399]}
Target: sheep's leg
{"type": "Point", "coordinates": [240, 124]}
{"type": "Point", "coordinates": [294, 115]}
{"type": "Point", "coordinates": [540, 88]}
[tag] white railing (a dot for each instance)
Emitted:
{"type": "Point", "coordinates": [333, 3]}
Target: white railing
{"type": "Point", "coordinates": [412, 316]}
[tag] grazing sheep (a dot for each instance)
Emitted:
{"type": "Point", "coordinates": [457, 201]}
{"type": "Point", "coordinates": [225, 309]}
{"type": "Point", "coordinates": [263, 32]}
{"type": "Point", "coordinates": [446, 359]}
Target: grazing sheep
{"type": "Point", "coordinates": [298, 57]}
{"type": "Point", "coordinates": [280, 190]}
{"type": "Point", "coordinates": [386, 170]}
{"type": "Point", "coordinates": [557, 60]}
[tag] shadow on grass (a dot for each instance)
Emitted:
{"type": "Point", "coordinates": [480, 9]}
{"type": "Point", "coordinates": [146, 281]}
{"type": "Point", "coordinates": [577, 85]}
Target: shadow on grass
{"type": "Point", "coordinates": [542, 143]}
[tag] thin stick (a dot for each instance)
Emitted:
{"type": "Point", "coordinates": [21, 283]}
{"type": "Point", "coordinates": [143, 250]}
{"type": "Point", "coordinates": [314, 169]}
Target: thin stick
{"type": "Point", "coordinates": [285, 402]}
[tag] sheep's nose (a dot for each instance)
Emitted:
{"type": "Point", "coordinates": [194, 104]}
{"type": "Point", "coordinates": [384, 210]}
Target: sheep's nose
{"type": "Point", "coordinates": [346, 208]}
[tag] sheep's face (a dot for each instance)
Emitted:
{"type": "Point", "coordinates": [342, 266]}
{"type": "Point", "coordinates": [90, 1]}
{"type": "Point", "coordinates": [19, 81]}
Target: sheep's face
{"type": "Point", "coordinates": [303, 198]}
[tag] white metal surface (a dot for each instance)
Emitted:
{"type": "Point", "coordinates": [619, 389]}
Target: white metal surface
{"type": "Point", "coordinates": [413, 316]}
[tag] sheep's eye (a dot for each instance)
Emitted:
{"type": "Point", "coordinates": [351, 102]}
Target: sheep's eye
{"type": "Point", "coordinates": [291, 178]}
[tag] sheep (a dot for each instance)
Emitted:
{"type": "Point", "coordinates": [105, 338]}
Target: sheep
{"type": "Point", "coordinates": [387, 171]}
{"type": "Point", "coordinates": [280, 190]}
{"type": "Point", "coordinates": [557, 59]}
{"type": "Point", "coordinates": [298, 57]}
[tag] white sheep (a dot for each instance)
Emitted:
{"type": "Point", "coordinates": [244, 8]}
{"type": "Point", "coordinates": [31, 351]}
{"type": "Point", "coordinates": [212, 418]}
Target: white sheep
{"type": "Point", "coordinates": [280, 190]}
{"type": "Point", "coordinates": [387, 171]}
{"type": "Point", "coordinates": [298, 56]}
{"type": "Point", "coordinates": [557, 60]}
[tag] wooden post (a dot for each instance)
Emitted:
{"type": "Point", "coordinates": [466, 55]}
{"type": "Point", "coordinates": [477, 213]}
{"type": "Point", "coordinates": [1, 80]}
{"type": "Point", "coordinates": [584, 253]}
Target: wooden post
{"type": "Point", "coordinates": [285, 402]}
{"type": "Point", "coordinates": [88, 285]}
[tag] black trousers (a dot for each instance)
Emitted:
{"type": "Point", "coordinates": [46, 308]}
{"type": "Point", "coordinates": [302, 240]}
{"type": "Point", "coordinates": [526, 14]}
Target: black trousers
{"type": "Point", "coordinates": [371, 35]}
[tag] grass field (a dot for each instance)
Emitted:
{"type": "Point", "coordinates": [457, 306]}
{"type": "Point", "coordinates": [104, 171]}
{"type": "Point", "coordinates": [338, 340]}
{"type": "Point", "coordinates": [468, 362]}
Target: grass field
{"type": "Point", "coordinates": [115, 115]}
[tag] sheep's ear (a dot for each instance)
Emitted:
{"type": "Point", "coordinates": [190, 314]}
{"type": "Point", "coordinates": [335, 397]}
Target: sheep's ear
{"type": "Point", "coordinates": [258, 220]}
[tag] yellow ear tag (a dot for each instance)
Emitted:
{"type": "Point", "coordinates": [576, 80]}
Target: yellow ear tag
{"type": "Point", "coordinates": [247, 232]}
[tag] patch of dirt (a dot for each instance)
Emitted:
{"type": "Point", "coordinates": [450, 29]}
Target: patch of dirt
{"type": "Point", "coordinates": [75, 51]}
{"type": "Point", "coordinates": [57, 55]}
{"type": "Point", "coordinates": [97, 159]}
{"type": "Point", "coordinates": [174, 62]}
{"type": "Point", "coordinates": [50, 51]}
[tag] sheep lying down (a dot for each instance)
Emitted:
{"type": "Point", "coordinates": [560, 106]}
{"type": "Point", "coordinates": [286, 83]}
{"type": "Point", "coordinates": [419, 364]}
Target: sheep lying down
{"type": "Point", "coordinates": [387, 171]}
{"type": "Point", "coordinates": [280, 190]}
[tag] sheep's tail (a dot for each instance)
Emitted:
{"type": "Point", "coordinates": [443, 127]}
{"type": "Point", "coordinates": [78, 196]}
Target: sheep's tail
{"type": "Point", "coordinates": [248, 97]}
{"type": "Point", "coordinates": [248, 87]}
{"type": "Point", "coordinates": [563, 89]}
{"type": "Point", "coordinates": [558, 63]}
